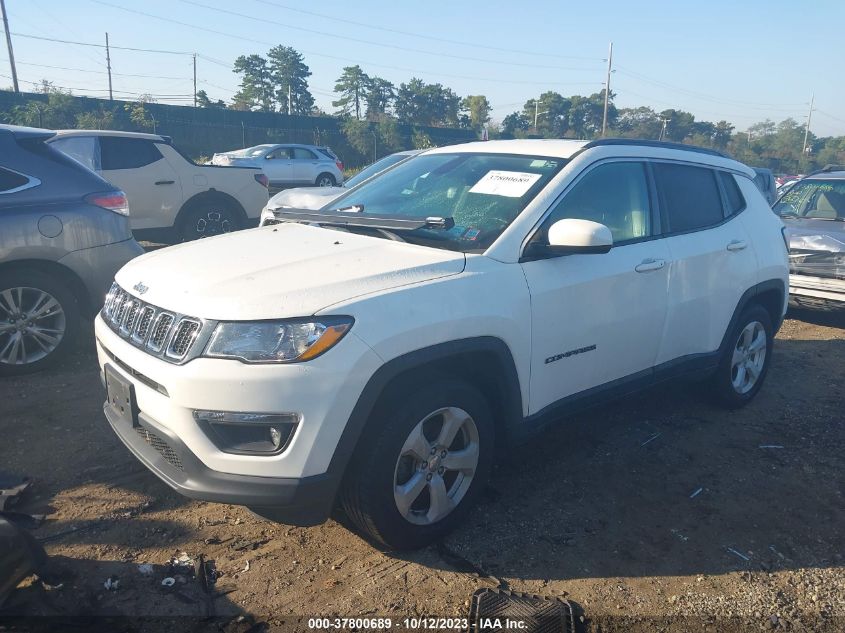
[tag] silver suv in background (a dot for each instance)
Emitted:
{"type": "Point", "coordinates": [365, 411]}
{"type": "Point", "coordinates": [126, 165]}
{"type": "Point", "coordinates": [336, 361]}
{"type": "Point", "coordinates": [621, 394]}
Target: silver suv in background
{"type": "Point", "coordinates": [288, 165]}
{"type": "Point", "coordinates": [64, 232]}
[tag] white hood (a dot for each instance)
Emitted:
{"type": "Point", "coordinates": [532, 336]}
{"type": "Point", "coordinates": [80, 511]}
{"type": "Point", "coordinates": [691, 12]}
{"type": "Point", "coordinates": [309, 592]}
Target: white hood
{"type": "Point", "coordinates": [286, 270]}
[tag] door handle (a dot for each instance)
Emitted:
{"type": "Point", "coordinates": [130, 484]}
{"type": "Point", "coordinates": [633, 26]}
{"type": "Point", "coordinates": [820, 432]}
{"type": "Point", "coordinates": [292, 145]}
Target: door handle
{"type": "Point", "coordinates": [650, 264]}
{"type": "Point", "coordinates": [736, 245]}
{"type": "Point", "coordinates": [165, 182]}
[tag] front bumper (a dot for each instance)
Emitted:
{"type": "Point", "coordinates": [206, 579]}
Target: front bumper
{"type": "Point", "coordinates": [295, 482]}
{"type": "Point", "coordinates": [826, 288]}
{"type": "Point", "coordinates": [295, 501]}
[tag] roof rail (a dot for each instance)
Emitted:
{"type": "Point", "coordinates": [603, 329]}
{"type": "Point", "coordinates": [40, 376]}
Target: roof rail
{"type": "Point", "coordinates": [648, 143]}
{"type": "Point", "coordinates": [827, 169]}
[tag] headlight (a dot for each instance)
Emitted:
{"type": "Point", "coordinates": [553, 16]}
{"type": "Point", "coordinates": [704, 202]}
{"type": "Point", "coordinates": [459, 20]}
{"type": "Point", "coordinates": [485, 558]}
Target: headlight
{"type": "Point", "coordinates": [267, 215]}
{"type": "Point", "coordinates": [277, 341]}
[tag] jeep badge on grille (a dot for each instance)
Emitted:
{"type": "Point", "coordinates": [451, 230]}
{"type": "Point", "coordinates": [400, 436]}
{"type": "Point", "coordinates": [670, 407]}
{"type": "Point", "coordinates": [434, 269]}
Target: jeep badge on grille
{"type": "Point", "coordinates": [140, 287]}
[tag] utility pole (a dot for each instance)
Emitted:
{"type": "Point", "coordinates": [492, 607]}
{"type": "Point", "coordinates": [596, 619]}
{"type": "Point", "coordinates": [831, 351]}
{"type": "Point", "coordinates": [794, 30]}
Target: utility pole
{"type": "Point", "coordinates": [537, 113]}
{"type": "Point", "coordinates": [9, 46]}
{"type": "Point", "coordinates": [195, 80]}
{"type": "Point", "coordinates": [607, 90]}
{"type": "Point", "coordinates": [807, 128]}
{"type": "Point", "coordinates": [663, 129]}
{"type": "Point", "coordinates": [108, 66]}
{"type": "Point", "coordinates": [289, 105]}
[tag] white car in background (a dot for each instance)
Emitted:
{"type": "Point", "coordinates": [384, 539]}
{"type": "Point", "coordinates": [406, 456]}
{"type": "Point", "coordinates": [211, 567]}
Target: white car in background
{"type": "Point", "coordinates": [171, 198]}
{"type": "Point", "coordinates": [288, 164]}
{"type": "Point", "coordinates": [316, 198]}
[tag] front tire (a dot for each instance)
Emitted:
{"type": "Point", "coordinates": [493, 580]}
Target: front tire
{"type": "Point", "coordinates": [422, 464]}
{"type": "Point", "coordinates": [745, 360]}
{"type": "Point", "coordinates": [39, 320]}
{"type": "Point", "coordinates": [325, 180]}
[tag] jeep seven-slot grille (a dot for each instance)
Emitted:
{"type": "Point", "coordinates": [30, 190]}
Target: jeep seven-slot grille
{"type": "Point", "coordinates": [167, 335]}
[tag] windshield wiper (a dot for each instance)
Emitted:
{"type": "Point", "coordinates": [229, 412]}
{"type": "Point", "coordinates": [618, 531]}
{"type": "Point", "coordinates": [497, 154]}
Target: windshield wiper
{"type": "Point", "coordinates": [342, 217]}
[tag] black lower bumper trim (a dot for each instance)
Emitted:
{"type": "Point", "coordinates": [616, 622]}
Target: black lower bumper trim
{"type": "Point", "coordinates": [296, 501]}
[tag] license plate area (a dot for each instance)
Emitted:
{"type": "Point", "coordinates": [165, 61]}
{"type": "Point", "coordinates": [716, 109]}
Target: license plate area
{"type": "Point", "coordinates": [120, 397]}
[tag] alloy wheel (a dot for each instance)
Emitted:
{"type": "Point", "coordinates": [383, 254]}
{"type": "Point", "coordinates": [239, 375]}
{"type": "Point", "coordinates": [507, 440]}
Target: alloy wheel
{"type": "Point", "coordinates": [213, 223]}
{"type": "Point", "coordinates": [32, 325]}
{"type": "Point", "coordinates": [749, 357]}
{"type": "Point", "coordinates": [436, 466]}
{"type": "Point", "coordinates": [325, 181]}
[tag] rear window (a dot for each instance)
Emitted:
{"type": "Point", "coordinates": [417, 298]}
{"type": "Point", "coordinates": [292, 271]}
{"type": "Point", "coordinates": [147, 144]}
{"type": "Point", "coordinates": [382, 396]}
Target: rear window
{"type": "Point", "coordinates": [736, 202]}
{"type": "Point", "coordinates": [689, 196]}
{"type": "Point", "coordinates": [127, 153]}
{"type": "Point", "coordinates": [11, 180]}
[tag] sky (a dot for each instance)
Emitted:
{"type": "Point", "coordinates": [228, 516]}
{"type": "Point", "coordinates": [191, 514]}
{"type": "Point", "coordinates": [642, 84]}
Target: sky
{"type": "Point", "coordinates": [739, 61]}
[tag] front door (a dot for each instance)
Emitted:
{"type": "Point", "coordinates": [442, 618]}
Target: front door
{"type": "Point", "coordinates": [278, 165]}
{"type": "Point", "coordinates": [305, 165]}
{"type": "Point", "coordinates": [597, 318]}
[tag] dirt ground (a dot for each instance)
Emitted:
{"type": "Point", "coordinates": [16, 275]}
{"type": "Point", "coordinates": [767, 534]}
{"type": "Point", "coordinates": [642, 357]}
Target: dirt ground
{"type": "Point", "coordinates": [601, 510]}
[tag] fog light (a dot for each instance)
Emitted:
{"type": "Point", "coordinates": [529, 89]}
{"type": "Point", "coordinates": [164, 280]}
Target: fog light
{"type": "Point", "coordinates": [248, 433]}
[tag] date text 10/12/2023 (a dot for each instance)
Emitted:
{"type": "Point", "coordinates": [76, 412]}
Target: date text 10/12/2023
{"type": "Point", "coordinates": [415, 623]}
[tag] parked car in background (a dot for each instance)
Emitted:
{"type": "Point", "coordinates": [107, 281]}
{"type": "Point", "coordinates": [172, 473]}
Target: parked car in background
{"type": "Point", "coordinates": [765, 180]}
{"type": "Point", "coordinates": [316, 198]}
{"type": "Point", "coordinates": [378, 358]}
{"type": "Point", "coordinates": [288, 165]}
{"type": "Point", "coordinates": [64, 233]}
{"type": "Point", "coordinates": [171, 197]}
{"type": "Point", "coordinates": [814, 213]}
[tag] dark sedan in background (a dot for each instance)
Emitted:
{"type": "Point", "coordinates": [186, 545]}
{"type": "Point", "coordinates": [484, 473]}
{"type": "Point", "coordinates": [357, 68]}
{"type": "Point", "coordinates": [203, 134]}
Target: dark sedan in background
{"type": "Point", "coordinates": [64, 232]}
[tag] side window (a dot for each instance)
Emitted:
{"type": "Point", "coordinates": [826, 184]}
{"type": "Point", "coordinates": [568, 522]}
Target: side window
{"type": "Point", "coordinates": [283, 153]}
{"type": "Point", "coordinates": [614, 194]}
{"type": "Point", "coordinates": [300, 153]}
{"type": "Point", "coordinates": [127, 153]}
{"type": "Point", "coordinates": [83, 149]}
{"type": "Point", "coordinates": [736, 202]}
{"type": "Point", "coordinates": [11, 180]}
{"type": "Point", "coordinates": [689, 196]}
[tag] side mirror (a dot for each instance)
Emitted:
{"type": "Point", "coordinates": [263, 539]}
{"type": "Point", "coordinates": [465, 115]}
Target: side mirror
{"type": "Point", "coordinates": [571, 237]}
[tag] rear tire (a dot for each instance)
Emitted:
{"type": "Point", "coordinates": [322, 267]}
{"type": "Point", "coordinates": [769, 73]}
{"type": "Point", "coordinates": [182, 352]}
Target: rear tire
{"type": "Point", "coordinates": [207, 218]}
{"type": "Point", "coordinates": [745, 360]}
{"type": "Point", "coordinates": [325, 180]}
{"type": "Point", "coordinates": [421, 465]}
{"type": "Point", "coordinates": [39, 321]}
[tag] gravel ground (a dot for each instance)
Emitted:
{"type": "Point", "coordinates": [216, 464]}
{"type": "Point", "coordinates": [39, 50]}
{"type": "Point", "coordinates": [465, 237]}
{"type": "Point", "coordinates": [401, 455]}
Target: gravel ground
{"type": "Point", "coordinates": [661, 512]}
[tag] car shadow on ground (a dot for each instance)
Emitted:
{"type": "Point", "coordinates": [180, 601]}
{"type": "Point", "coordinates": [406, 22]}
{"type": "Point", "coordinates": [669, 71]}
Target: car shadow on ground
{"type": "Point", "coordinates": [666, 484]}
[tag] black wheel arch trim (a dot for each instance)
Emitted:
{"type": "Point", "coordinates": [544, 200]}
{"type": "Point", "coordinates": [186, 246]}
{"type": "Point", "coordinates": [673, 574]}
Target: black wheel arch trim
{"type": "Point", "coordinates": [512, 413]}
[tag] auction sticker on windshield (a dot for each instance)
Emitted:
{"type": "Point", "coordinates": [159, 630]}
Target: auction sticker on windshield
{"type": "Point", "coordinates": [512, 184]}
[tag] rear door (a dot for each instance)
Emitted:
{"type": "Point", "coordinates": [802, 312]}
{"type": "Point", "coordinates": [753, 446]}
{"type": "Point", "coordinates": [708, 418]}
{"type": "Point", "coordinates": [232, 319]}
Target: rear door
{"type": "Point", "coordinates": [598, 318]}
{"type": "Point", "coordinates": [712, 260]}
{"type": "Point", "coordinates": [152, 186]}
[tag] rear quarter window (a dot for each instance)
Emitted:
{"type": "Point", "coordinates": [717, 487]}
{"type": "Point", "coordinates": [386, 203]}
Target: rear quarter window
{"type": "Point", "coordinates": [736, 202]}
{"type": "Point", "coordinates": [689, 196]}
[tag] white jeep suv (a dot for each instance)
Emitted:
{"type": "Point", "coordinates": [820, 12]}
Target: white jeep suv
{"type": "Point", "coordinates": [376, 354]}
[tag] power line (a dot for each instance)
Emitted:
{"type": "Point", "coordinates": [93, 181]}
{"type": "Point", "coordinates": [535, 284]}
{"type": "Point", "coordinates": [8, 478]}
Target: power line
{"type": "Point", "coordinates": [706, 97]}
{"type": "Point", "coordinates": [99, 72]}
{"type": "Point", "coordinates": [421, 36]}
{"type": "Point", "coordinates": [264, 20]}
{"type": "Point", "coordinates": [123, 48]}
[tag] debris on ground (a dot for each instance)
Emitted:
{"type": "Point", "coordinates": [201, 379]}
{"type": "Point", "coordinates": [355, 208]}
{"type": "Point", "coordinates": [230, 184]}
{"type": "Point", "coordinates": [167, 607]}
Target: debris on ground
{"type": "Point", "coordinates": [168, 582]}
{"type": "Point", "coordinates": [145, 569]}
{"type": "Point", "coordinates": [112, 583]}
{"type": "Point", "coordinates": [20, 556]}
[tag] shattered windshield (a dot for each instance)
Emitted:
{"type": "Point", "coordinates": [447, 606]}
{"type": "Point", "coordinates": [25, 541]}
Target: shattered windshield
{"type": "Point", "coordinates": [482, 193]}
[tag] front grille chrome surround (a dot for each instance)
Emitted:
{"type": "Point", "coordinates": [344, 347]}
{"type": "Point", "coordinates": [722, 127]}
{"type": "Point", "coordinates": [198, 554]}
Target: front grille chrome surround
{"type": "Point", "coordinates": [173, 337]}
